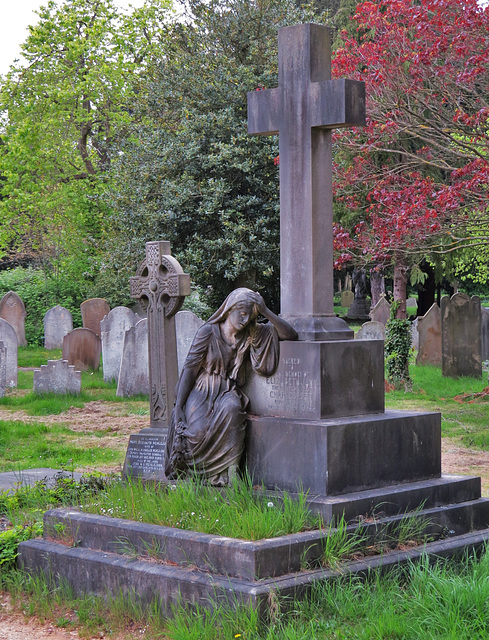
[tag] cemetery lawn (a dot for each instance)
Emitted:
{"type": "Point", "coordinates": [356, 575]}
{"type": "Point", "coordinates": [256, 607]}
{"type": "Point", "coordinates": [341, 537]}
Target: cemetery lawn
{"type": "Point", "coordinates": [88, 432]}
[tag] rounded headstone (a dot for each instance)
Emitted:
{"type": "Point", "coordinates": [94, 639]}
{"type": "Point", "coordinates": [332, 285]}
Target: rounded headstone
{"type": "Point", "coordinates": [58, 321]}
{"type": "Point", "coordinates": [81, 348]}
{"type": "Point", "coordinates": [12, 310]}
{"type": "Point", "coordinates": [93, 311]}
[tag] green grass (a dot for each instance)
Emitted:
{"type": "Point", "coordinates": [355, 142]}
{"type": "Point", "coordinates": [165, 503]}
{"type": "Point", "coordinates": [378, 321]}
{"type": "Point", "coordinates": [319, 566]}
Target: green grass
{"type": "Point", "coordinates": [237, 511]}
{"type": "Point", "coordinates": [36, 356]}
{"type": "Point", "coordinates": [25, 445]}
{"type": "Point", "coordinates": [448, 601]}
{"type": "Point", "coordinates": [433, 392]}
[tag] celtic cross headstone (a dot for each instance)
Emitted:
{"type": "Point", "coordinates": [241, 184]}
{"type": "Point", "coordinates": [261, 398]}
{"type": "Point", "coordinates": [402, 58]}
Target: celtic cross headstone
{"type": "Point", "coordinates": [160, 286]}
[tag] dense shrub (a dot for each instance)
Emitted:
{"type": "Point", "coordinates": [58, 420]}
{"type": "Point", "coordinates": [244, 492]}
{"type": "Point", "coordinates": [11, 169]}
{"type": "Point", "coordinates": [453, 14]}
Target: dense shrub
{"type": "Point", "coordinates": [41, 291]}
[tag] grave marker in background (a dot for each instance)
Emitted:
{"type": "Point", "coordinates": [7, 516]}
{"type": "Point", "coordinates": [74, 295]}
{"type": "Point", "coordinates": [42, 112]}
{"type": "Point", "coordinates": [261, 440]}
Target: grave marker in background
{"type": "Point", "coordinates": [186, 326]}
{"type": "Point", "coordinates": [112, 331]}
{"type": "Point", "coordinates": [133, 377]}
{"type": "Point", "coordinates": [484, 334]}
{"type": "Point", "coordinates": [3, 369]}
{"type": "Point", "coordinates": [12, 310]}
{"type": "Point", "coordinates": [9, 339]}
{"type": "Point", "coordinates": [347, 298]}
{"type": "Point", "coordinates": [461, 336]}
{"type": "Point", "coordinates": [58, 321]}
{"type": "Point", "coordinates": [81, 348]}
{"type": "Point", "coordinates": [429, 331]}
{"type": "Point", "coordinates": [381, 312]}
{"type": "Point", "coordinates": [371, 331]}
{"type": "Point", "coordinates": [93, 311]}
{"type": "Point", "coordinates": [57, 376]}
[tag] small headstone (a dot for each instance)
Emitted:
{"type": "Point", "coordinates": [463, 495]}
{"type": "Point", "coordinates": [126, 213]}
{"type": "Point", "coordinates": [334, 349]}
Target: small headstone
{"type": "Point", "coordinates": [57, 376]}
{"type": "Point", "coordinates": [93, 312]}
{"type": "Point", "coordinates": [82, 348]}
{"type": "Point", "coordinates": [347, 298]}
{"type": "Point", "coordinates": [371, 331]}
{"type": "Point", "coordinates": [9, 339]}
{"type": "Point", "coordinates": [186, 326]}
{"type": "Point", "coordinates": [412, 302]}
{"type": "Point", "coordinates": [461, 336]}
{"type": "Point", "coordinates": [381, 312]}
{"type": "Point", "coordinates": [134, 371]}
{"type": "Point", "coordinates": [415, 334]}
{"type": "Point", "coordinates": [58, 321]}
{"type": "Point", "coordinates": [12, 310]}
{"type": "Point", "coordinates": [429, 337]}
{"type": "Point", "coordinates": [3, 369]}
{"type": "Point", "coordinates": [485, 333]}
{"type": "Point", "coordinates": [112, 331]}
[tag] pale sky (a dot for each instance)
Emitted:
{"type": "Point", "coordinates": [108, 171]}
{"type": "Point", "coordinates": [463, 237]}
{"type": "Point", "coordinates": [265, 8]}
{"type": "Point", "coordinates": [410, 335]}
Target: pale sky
{"type": "Point", "coordinates": [16, 16]}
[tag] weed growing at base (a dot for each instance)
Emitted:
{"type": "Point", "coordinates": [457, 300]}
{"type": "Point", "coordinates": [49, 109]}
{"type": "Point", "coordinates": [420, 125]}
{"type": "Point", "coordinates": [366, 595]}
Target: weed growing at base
{"type": "Point", "coordinates": [448, 600]}
{"type": "Point", "coordinates": [238, 511]}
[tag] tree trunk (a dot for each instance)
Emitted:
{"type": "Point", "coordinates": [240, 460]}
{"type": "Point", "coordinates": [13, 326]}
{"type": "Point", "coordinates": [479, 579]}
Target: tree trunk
{"type": "Point", "coordinates": [400, 280]}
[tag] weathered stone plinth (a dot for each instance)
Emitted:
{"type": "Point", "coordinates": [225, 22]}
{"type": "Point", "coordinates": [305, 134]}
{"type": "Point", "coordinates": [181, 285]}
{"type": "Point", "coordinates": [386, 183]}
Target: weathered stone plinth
{"type": "Point", "coordinates": [337, 456]}
{"type": "Point", "coordinates": [317, 380]}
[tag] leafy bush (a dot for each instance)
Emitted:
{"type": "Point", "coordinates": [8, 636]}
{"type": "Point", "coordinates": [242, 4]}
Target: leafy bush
{"type": "Point", "coordinates": [397, 349]}
{"type": "Point", "coordinates": [40, 291]}
{"type": "Point", "coordinates": [10, 540]}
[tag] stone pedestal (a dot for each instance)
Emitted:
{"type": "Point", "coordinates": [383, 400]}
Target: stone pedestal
{"type": "Point", "coordinates": [341, 455]}
{"type": "Point", "coordinates": [317, 380]}
{"type": "Point", "coordinates": [319, 424]}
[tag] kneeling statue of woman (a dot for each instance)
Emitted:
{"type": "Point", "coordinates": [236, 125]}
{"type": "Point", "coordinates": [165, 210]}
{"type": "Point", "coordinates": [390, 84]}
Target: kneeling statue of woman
{"type": "Point", "coordinates": [207, 430]}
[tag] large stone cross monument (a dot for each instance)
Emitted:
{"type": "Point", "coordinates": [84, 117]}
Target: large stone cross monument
{"type": "Point", "coordinates": [319, 422]}
{"type": "Point", "coordinates": [303, 110]}
{"type": "Point", "coordinates": [160, 286]}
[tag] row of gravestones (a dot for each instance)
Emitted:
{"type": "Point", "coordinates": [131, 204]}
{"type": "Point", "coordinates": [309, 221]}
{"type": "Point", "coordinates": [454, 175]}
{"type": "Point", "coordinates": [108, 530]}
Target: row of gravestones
{"type": "Point", "coordinates": [455, 337]}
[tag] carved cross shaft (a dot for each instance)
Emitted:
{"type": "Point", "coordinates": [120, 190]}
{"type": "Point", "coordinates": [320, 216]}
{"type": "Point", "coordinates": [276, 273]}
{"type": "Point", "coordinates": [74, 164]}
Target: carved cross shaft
{"type": "Point", "coordinates": [303, 110]}
{"type": "Point", "coordinates": [161, 286]}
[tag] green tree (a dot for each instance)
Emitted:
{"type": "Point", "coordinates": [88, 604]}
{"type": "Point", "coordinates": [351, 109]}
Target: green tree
{"type": "Point", "coordinates": [190, 173]}
{"type": "Point", "coordinates": [62, 111]}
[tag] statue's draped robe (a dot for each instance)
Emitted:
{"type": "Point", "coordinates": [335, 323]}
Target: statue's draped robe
{"type": "Point", "coordinates": [212, 438]}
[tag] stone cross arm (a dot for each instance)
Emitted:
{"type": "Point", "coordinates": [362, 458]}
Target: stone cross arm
{"type": "Point", "coordinates": [332, 104]}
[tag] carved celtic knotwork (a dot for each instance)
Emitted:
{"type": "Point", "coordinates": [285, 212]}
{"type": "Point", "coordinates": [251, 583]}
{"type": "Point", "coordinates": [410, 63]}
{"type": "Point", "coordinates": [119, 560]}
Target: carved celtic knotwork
{"type": "Point", "coordinates": [161, 286]}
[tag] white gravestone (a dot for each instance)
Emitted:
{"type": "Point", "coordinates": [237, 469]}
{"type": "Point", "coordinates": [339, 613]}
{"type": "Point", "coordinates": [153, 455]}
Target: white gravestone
{"type": "Point", "coordinates": [9, 339]}
{"type": "Point", "coordinates": [186, 326]}
{"type": "Point", "coordinates": [134, 371]}
{"type": "Point", "coordinates": [3, 369]}
{"type": "Point", "coordinates": [113, 328]}
{"type": "Point", "coordinates": [371, 331]}
{"type": "Point", "coordinates": [58, 322]}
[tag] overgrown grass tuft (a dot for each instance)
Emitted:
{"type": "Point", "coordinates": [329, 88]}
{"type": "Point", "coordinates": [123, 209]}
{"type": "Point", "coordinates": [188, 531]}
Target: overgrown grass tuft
{"type": "Point", "coordinates": [238, 511]}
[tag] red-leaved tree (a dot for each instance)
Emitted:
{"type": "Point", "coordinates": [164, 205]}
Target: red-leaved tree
{"type": "Point", "coordinates": [413, 182]}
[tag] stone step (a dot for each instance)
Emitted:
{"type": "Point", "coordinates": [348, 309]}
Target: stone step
{"type": "Point", "coordinates": [246, 559]}
{"type": "Point", "coordinates": [397, 498]}
{"type": "Point", "coordinates": [100, 572]}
